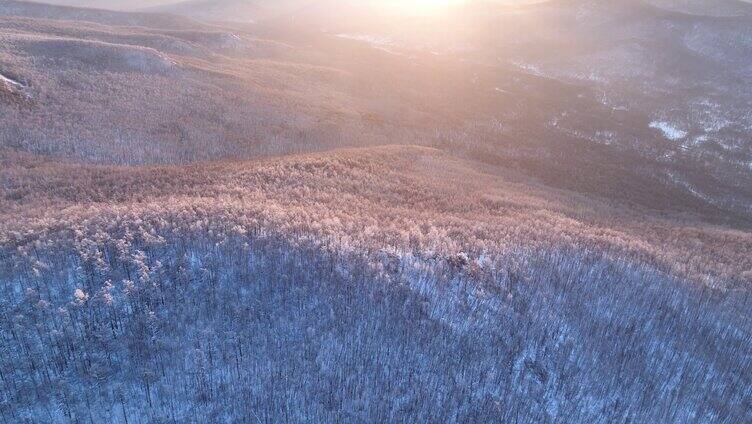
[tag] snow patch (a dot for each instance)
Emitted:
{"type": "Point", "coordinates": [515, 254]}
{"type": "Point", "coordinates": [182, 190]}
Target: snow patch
{"type": "Point", "coordinates": [531, 69]}
{"type": "Point", "coordinates": [371, 39]}
{"type": "Point", "coordinates": [669, 131]}
{"type": "Point", "coordinates": [10, 82]}
{"type": "Point", "coordinates": [385, 44]}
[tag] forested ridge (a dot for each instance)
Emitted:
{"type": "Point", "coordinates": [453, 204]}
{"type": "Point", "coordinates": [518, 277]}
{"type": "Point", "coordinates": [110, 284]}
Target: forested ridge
{"type": "Point", "coordinates": [361, 285]}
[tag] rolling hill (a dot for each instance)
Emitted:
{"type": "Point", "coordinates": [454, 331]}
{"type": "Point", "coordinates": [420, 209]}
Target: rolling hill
{"type": "Point", "coordinates": [261, 90]}
{"type": "Point", "coordinates": [304, 267]}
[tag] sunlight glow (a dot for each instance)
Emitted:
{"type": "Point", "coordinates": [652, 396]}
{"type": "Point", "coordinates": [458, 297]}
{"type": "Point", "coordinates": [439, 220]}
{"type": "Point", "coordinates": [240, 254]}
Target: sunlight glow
{"type": "Point", "coordinates": [422, 6]}
{"type": "Point", "coordinates": [430, 7]}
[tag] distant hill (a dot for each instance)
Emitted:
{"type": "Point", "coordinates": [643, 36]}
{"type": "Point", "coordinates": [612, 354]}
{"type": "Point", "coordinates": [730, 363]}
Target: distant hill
{"type": "Point", "coordinates": [106, 17]}
{"type": "Point", "coordinates": [110, 4]}
{"type": "Point", "coordinates": [233, 10]}
{"type": "Point", "coordinates": [178, 90]}
{"type": "Point", "coordinates": [718, 8]}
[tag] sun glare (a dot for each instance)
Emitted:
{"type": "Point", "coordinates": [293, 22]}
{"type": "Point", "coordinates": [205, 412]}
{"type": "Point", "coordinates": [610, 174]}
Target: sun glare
{"type": "Point", "coordinates": [422, 6]}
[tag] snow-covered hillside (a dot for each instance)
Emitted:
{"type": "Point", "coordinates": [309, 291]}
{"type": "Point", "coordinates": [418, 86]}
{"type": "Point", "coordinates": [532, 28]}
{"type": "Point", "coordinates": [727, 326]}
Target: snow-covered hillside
{"type": "Point", "coordinates": [529, 213]}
